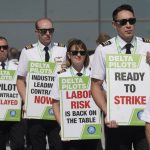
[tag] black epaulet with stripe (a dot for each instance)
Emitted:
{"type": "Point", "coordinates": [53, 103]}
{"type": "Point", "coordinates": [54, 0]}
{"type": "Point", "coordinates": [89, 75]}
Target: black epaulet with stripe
{"type": "Point", "coordinates": [61, 71]}
{"type": "Point", "coordinates": [61, 45]}
{"type": "Point", "coordinates": [146, 40]}
{"type": "Point", "coordinates": [29, 46]}
{"type": "Point", "coordinates": [106, 43]}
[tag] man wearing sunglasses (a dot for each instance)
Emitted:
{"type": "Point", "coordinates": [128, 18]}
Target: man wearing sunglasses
{"type": "Point", "coordinates": [118, 137]}
{"type": "Point", "coordinates": [3, 52]}
{"type": "Point", "coordinates": [44, 50]}
{"type": "Point", "coordinates": [9, 130]}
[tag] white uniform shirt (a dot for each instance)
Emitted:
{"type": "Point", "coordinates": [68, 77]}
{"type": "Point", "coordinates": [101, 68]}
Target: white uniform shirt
{"type": "Point", "coordinates": [13, 64]}
{"type": "Point", "coordinates": [110, 47]}
{"type": "Point", "coordinates": [10, 65]}
{"type": "Point", "coordinates": [55, 92]}
{"type": "Point", "coordinates": [36, 53]}
{"type": "Point", "coordinates": [91, 60]}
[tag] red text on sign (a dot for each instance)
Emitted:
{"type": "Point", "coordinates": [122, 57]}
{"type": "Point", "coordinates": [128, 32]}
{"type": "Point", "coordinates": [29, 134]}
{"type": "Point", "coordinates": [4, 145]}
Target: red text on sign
{"type": "Point", "coordinates": [43, 100]}
{"type": "Point", "coordinates": [78, 94]}
{"type": "Point", "coordinates": [80, 104]}
{"type": "Point", "coordinates": [128, 100]}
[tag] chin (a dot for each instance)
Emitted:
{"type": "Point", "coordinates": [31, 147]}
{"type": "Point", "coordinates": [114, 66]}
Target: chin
{"type": "Point", "coordinates": [129, 38]}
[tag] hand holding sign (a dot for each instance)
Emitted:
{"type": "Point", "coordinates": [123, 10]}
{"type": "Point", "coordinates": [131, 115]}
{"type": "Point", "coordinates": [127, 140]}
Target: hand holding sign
{"type": "Point", "coordinates": [110, 124]}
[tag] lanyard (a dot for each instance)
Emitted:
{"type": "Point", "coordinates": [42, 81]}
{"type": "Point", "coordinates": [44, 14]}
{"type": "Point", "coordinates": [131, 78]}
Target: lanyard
{"type": "Point", "coordinates": [73, 73]}
{"type": "Point", "coordinates": [40, 53]}
{"type": "Point", "coordinates": [119, 48]}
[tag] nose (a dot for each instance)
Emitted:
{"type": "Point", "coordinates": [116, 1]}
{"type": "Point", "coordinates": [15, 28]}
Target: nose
{"type": "Point", "coordinates": [78, 54]}
{"type": "Point", "coordinates": [128, 24]}
{"type": "Point", "coordinates": [47, 32]}
{"type": "Point", "coordinates": [2, 49]}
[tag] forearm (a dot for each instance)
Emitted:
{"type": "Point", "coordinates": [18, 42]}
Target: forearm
{"type": "Point", "coordinates": [56, 109]}
{"type": "Point", "coordinates": [98, 95]}
{"type": "Point", "coordinates": [147, 130]}
{"type": "Point", "coordinates": [21, 87]}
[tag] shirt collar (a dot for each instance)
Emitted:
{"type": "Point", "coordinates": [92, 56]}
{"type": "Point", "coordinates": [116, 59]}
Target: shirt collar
{"type": "Point", "coordinates": [75, 71]}
{"type": "Point", "coordinates": [122, 43]}
{"type": "Point", "coordinates": [41, 46]}
{"type": "Point", "coordinates": [6, 63]}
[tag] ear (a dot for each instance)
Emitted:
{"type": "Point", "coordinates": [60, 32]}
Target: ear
{"type": "Point", "coordinates": [36, 32]}
{"type": "Point", "coordinates": [114, 24]}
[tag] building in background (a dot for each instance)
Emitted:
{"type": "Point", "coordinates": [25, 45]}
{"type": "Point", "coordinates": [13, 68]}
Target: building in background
{"type": "Point", "coordinates": [83, 19]}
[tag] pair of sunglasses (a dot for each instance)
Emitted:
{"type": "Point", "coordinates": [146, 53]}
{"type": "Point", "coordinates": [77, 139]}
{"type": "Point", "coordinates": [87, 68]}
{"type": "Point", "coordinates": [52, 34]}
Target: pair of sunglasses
{"type": "Point", "coordinates": [123, 22]}
{"type": "Point", "coordinates": [44, 31]}
{"type": "Point", "coordinates": [4, 47]}
{"type": "Point", "coordinates": [82, 53]}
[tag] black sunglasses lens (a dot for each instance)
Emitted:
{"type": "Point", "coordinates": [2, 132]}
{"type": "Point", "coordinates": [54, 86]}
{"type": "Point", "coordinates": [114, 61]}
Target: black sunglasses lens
{"type": "Point", "coordinates": [132, 21]}
{"type": "Point", "coordinates": [5, 47]}
{"type": "Point", "coordinates": [82, 53]}
{"type": "Point", "coordinates": [124, 21]}
{"type": "Point", "coordinates": [74, 53]}
{"type": "Point", "coordinates": [51, 30]}
{"type": "Point", "coordinates": [44, 31]}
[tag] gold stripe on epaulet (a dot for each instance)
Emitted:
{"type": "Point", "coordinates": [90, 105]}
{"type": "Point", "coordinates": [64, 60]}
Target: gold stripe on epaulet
{"type": "Point", "coordinates": [29, 46]}
{"type": "Point", "coordinates": [61, 71]}
{"type": "Point", "coordinates": [61, 45]}
{"type": "Point", "coordinates": [146, 40]}
{"type": "Point", "coordinates": [106, 43]}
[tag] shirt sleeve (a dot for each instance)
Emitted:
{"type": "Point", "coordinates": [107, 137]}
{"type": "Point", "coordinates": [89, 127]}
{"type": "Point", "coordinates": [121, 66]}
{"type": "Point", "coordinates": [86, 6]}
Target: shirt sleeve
{"type": "Point", "coordinates": [98, 68]}
{"type": "Point", "coordinates": [23, 64]}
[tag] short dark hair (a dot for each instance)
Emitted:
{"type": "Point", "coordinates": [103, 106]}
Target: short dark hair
{"type": "Point", "coordinates": [120, 8]}
{"type": "Point", "coordinates": [78, 44]}
{"type": "Point", "coordinates": [3, 38]}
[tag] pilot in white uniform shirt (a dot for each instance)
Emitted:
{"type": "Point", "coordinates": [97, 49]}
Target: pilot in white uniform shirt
{"type": "Point", "coordinates": [36, 52]}
{"type": "Point", "coordinates": [115, 46]}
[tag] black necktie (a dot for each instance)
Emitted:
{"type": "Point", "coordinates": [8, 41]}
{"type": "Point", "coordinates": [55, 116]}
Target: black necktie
{"type": "Point", "coordinates": [79, 74]}
{"type": "Point", "coordinates": [46, 54]}
{"type": "Point", "coordinates": [128, 47]}
{"type": "Point", "coordinates": [3, 65]}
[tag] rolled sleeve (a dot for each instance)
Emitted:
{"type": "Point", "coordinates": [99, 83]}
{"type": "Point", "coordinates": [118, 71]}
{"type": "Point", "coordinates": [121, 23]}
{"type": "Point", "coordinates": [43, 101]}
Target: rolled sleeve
{"type": "Point", "coordinates": [23, 64]}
